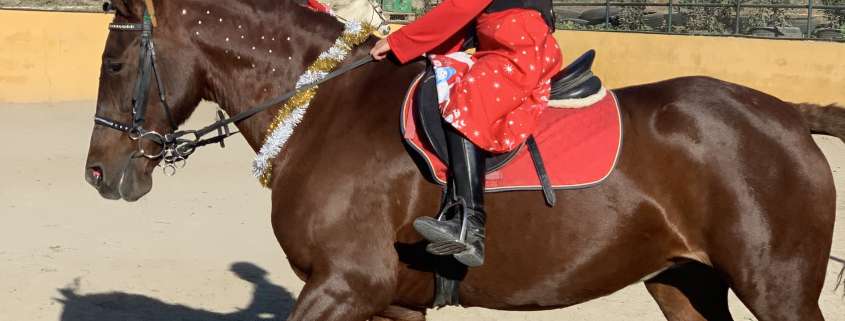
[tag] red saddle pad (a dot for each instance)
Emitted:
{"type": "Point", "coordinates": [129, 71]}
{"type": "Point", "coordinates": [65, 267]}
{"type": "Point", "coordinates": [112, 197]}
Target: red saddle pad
{"type": "Point", "coordinates": [579, 146]}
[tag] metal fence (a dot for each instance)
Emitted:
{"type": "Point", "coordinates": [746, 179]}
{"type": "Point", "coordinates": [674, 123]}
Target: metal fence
{"type": "Point", "coordinates": [667, 21]}
{"type": "Point", "coordinates": [808, 27]}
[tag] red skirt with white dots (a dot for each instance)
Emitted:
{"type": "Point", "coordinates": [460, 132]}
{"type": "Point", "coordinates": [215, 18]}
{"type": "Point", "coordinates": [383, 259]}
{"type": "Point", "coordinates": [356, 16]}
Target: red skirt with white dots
{"type": "Point", "coordinates": [496, 96]}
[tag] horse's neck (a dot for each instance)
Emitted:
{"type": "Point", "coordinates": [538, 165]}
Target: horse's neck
{"type": "Point", "coordinates": [257, 58]}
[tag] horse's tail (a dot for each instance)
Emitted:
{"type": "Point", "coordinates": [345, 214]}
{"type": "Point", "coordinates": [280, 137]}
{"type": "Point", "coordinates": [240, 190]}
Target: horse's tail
{"type": "Point", "coordinates": [825, 120]}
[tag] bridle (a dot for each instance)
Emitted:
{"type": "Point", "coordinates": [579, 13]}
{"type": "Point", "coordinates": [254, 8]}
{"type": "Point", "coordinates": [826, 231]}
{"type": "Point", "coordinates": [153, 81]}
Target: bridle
{"type": "Point", "coordinates": [177, 145]}
{"type": "Point", "coordinates": [173, 148]}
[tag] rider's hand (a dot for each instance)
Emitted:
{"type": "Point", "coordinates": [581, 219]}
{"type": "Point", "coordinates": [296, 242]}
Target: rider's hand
{"type": "Point", "coordinates": [380, 50]}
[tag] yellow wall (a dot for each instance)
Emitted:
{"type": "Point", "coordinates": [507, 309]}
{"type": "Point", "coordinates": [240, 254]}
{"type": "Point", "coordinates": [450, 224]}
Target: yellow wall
{"type": "Point", "coordinates": [51, 57]}
{"type": "Point", "coordinates": [798, 71]}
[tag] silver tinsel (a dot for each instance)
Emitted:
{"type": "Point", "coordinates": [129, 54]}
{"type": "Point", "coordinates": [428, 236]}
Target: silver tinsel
{"type": "Point", "coordinates": [275, 142]}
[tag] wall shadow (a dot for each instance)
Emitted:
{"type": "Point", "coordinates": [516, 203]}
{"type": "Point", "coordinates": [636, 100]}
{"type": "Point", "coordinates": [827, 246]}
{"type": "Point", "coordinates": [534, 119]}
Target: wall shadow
{"type": "Point", "coordinates": [269, 302]}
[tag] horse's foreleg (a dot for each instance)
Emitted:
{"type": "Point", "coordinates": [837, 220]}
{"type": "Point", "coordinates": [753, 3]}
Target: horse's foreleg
{"type": "Point", "coordinates": [340, 297]}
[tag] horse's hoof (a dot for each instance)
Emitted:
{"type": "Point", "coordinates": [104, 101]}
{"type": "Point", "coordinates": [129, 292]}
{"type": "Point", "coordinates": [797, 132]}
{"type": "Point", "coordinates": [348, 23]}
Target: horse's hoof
{"type": "Point", "coordinates": [446, 248]}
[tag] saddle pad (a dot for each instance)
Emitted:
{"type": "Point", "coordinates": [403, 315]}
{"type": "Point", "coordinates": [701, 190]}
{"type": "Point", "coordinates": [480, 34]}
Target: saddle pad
{"type": "Point", "coordinates": [579, 147]}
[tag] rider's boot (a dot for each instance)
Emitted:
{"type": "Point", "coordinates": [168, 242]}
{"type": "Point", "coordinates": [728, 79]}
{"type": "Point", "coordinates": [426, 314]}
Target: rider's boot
{"type": "Point", "coordinates": [462, 235]}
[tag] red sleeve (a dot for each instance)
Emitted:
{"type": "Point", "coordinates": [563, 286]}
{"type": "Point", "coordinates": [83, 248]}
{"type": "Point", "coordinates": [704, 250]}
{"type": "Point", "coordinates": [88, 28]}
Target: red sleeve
{"type": "Point", "coordinates": [439, 31]}
{"type": "Point", "coordinates": [319, 7]}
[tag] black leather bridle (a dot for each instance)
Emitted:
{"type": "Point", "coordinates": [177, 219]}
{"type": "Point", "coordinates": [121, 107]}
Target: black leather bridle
{"type": "Point", "coordinates": [176, 146]}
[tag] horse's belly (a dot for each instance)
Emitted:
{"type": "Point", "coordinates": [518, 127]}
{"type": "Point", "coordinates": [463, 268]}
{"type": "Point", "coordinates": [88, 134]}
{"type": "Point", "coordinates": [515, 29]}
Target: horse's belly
{"type": "Point", "coordinates": [545, 258]}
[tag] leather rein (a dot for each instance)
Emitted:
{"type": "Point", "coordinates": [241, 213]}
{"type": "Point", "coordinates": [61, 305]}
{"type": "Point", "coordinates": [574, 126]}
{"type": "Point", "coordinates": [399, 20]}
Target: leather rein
{"type": "Point", "coordinates": [176, 146]}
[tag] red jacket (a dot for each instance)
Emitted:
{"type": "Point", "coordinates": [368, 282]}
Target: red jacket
{"type": "Point", "coordinates": [319, 7]}
{"type": "Point", "coordinates": [440, 31]}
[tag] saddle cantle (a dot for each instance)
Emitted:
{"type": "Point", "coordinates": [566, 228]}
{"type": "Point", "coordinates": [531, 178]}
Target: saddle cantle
{"type": "Point", "coordinates": [577, 80]}
{"type": "Point", "coordinates": [574, 82]}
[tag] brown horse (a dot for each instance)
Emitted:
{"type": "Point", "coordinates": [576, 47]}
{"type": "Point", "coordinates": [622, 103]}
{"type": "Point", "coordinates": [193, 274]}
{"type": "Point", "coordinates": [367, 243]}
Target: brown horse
{"type": "Point", "coordinates": [718, 186]}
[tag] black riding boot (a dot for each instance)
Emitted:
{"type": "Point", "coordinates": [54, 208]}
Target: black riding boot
{"type": "Point", "coordinates": [462, 234]}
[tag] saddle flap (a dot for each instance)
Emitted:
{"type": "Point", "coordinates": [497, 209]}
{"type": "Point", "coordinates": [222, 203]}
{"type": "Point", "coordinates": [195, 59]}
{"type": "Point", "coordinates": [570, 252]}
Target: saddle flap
{"type": "Point", "coordinates": [427, 113]}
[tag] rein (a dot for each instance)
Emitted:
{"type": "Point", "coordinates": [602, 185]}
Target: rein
{"type": "Point", "coordinates": [178, 145]}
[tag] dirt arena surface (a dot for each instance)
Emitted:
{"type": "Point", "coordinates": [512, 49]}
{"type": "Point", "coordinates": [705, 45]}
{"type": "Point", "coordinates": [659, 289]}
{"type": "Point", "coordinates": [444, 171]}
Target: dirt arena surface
{"type": "Point", "coordinates": [200, 246]}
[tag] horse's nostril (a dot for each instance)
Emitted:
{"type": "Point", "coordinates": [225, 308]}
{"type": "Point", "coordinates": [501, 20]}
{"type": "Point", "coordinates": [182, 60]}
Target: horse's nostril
{"type": "Point", "coordinates": [96, 175]}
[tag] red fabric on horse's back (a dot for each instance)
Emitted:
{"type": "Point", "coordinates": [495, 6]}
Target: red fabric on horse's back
{"type": "Point", "coordinates": [579, 147]}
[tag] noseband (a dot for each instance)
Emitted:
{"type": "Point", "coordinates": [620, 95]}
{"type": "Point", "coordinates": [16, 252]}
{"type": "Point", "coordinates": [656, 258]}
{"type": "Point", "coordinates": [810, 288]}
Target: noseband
{"type": "Point", "coordinates": [175, 147]}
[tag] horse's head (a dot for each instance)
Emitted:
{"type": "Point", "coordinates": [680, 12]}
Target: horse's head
{"type": "Point", "coordinates": [131, 117]}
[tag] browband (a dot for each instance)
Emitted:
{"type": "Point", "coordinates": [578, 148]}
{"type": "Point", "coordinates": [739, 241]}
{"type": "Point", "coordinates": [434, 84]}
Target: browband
{"type": "Point", "coordinates": [126, 26]}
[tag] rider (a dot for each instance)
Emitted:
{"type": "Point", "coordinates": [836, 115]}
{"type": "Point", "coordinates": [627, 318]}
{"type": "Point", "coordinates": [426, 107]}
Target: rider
{"type": "Point", "coordinates": [493, 102]}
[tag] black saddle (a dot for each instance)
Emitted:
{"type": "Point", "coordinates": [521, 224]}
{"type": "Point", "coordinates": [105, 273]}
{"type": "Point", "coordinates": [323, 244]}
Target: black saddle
{"type": "Point", "coordinates": [573, 82]}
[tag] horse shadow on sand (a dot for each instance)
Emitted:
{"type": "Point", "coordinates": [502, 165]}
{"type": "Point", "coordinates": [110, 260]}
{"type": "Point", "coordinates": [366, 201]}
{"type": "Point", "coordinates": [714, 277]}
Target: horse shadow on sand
{"type": "Point", "coordinates": [270, 302]}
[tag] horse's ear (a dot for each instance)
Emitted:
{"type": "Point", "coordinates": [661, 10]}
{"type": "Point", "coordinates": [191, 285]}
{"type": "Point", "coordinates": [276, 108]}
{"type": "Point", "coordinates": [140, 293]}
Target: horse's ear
{"type": "Point", "coordinates": [132, 9]}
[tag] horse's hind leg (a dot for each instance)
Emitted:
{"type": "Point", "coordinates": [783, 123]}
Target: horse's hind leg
{"type": "Point", "coordinates": [776, 262]}
{"type": "Point", "coordinates": [782, 291]}
{"type": "Point", "coordinates": [691, 292]}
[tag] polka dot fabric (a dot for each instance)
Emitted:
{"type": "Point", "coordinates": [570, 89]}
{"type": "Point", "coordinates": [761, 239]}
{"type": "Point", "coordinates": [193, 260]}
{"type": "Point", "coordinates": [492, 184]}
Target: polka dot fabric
{"type": "Point", "coordinates": [496, 96]}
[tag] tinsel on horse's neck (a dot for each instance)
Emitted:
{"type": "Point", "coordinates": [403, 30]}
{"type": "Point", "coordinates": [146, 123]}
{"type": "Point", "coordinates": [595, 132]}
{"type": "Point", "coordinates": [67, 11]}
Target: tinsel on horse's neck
{"type": "Point", "coordinates": [252, 50]}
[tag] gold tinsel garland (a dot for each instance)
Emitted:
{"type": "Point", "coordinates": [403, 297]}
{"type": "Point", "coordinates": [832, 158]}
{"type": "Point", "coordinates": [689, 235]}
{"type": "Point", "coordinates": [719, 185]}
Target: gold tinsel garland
{"type": "Point", "coordinates": [353, 35]}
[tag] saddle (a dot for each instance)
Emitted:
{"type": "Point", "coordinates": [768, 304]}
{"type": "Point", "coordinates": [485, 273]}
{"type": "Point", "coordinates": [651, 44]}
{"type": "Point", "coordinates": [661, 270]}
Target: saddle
{"type": "Point", "coordinates": [574, 82]}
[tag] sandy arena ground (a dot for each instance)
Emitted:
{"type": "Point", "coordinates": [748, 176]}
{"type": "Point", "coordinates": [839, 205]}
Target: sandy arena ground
{"type": "Point", "coordinates": [69, 255]}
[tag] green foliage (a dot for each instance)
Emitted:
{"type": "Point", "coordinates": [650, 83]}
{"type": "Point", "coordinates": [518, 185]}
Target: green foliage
{"type": "Point", "coordinates": [568, 25]}
{"type": "Point", "coordinates": [633, 17]}
{"type": "Point", "coordinates": [430, 4]}
{"type": "Point", "coordinates": [705, 20]}
{"type": "Point", "coordinates": [835, 16]}
{"type": "Point", "coordinates": [767, 17]}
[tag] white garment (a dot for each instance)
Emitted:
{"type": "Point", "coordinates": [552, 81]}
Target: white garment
{"type": "Point", "coordinates": [356, 10]}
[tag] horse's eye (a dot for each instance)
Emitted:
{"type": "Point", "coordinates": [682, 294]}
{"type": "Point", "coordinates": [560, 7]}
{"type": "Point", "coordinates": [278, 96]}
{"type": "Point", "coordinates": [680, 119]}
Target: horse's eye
{"type": "Point", "coordinates": [114, 67]}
